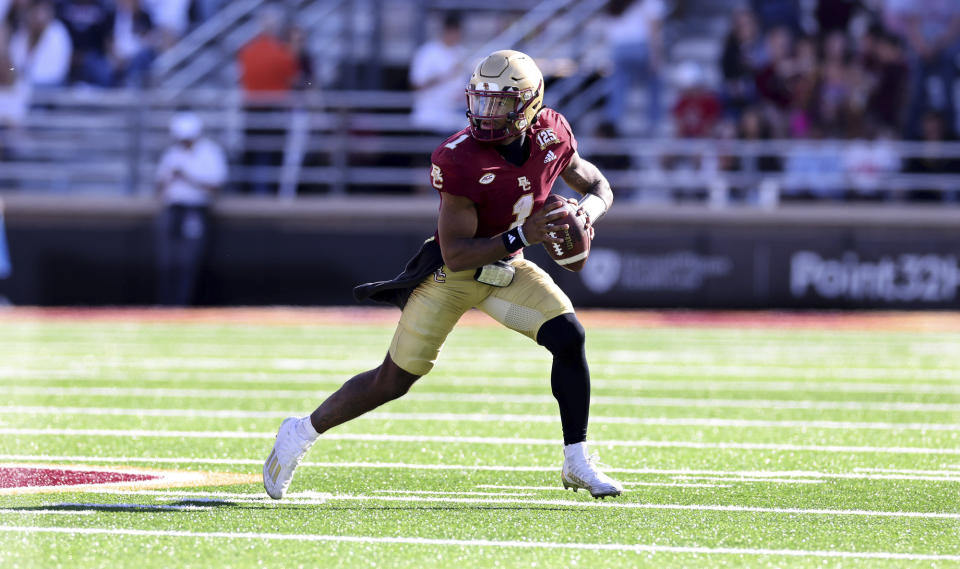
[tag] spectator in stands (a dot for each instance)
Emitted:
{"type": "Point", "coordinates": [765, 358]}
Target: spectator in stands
{"type": "Point", "coordinates": [839, 88]}
{"type": "Point", "coordinates": [134, 43]}
{"type": "Point", "coordinates": [803, 86]}
{"type": "Point", "coordinates": [835, 15]}
{"type": "Point", "coordinates": [744, 54]}
{"type": "Point", "coordinates": [867, 160]}
{"type": "Point", "coordinates": [936, 132]}
{"type": "Point", "coordinates": [268, 67]}
{"type": "Point", "coordinates": [774, 14]}
{"type": "Point", "coordinates": [697, 108]}
{"type": "Point", "coordinates": [695, 114]}
{"type": "Point", "coordinates": [814, 170]}
{"type": "Point", "coordinates": [188, 176]}
{"type": "Point", "coordinates": [437, 74]}
{"type": "Point", "coordinates": [754, 167]}
{"type": "Point", "coordinates": [635, 41]}
{"type": "Point", "coordinates": [297, 41]}
{"type": "Point", "coordinates": [932, 32]}
{"type": "Point", "coordinates": [268, 72]}
{"type": "Point", "coordinates": [773, 80]}
{"type": "Point", "coordinates": [88, 22]}
{"type": "Point", "coordinates": [14, 94]}
{"type": "Point", "coordinates": [41, 48]}
{"type": "Point", "coordinates": [171, 17]}
{"type": "Point", "coordinates": [888, 77]}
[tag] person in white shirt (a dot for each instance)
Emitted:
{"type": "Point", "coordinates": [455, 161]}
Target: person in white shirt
{"type": "Point", "coordinates": [135, 42]}
{"type": "Point", "coordinates": [635, 40]}
{"type": "Point", "coordinates": [188, 176]}
{"type": "Point", "coordinates": [438, 73]}
{"type": "Point", "coordinates": [41, 49]}
{"type": "Point", "coordinates": [172, 17]}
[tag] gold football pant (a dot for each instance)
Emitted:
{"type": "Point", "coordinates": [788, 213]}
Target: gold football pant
{"type": "Point", "coordinates": [441, 299]}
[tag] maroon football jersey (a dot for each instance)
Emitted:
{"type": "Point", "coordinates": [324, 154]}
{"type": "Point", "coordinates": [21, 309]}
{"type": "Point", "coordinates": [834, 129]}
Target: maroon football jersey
{"type": "Point", "coordinates": [504, 194]}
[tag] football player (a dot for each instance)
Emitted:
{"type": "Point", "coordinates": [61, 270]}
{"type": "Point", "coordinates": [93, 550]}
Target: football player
{"type": "Point", "coordinates": [493, 178]}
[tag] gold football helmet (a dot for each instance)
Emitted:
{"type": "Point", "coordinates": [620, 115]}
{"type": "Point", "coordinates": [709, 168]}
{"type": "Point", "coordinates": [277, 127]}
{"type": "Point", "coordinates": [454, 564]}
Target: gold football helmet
{"type": "Point", "coordinates": [504, 95]}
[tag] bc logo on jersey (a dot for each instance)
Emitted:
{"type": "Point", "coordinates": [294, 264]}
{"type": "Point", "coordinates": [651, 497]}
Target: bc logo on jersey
{"type": "Point", "coordinates": [436, 177]}
{"type": "Point", "coordinates": [546, 137]}
{"type": "Point", "coordinates": [524, 183]}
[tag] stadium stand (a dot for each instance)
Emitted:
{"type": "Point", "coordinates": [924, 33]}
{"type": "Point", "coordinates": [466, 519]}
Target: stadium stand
{"type": "Point", "coordinates": [841, 131]}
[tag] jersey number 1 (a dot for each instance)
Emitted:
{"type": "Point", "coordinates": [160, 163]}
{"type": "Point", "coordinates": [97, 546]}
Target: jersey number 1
{"type": "Point", "coordinates": [522, 209]}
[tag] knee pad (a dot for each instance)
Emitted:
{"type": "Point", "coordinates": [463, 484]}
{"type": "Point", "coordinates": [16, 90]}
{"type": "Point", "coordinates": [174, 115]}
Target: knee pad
{"type": "Point", "coordinates": [563, 334]}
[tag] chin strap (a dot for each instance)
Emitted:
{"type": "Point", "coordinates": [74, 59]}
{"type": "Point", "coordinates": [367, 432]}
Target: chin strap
{"type": "Point", "coordinates": [594, 206]}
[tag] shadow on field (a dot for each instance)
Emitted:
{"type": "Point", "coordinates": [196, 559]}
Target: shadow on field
{"type": "Point", "coordinates": [178, 506]}
{"type": "Point", "coordinates": [460, 508]}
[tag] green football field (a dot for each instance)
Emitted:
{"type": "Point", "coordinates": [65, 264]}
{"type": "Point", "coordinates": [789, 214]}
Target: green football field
{"type": "Point", "coordinates": [822, 445]}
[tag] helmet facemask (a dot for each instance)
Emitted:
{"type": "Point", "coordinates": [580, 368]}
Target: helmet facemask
{"type": "Point", "coordinates": [497, 114]}
{"type": "Point", "coordinates": [504, 96]}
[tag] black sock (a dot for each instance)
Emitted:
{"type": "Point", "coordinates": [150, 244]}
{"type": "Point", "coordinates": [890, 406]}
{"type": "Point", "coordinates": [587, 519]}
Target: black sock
{"type": "Point", "coordinates": [570, 376]}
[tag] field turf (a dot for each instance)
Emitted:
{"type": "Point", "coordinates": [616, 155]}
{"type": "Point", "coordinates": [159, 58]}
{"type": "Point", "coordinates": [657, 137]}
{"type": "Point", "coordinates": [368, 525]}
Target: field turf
{"type": "Point", "coordinates": [785, 442]}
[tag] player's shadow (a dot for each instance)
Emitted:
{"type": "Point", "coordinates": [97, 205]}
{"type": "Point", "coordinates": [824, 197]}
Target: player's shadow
{"type": "Point", "coordinates": [465, 508]}
{"type": "Point", "coordinates": [188, 505]}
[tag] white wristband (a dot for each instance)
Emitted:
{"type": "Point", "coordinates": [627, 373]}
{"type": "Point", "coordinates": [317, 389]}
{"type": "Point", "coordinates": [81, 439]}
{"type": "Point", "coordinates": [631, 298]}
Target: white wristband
{"type": "Point", "coordinates": [522, 236]}
{"type": "Point", "coordinates": [594, 206]}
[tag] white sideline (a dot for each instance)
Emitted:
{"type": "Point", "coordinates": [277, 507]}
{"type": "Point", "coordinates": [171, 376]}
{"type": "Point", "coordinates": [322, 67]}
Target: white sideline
{"type": "Point", "coordinates": [477, 440]}
{"type": "Point", "coordinates": [638, 548]}
{"type": "Point", "coordinates": [301, 395]}
{"type": "Point", "coordinates": [481, 417]}
{"type": "Point", "coordinates": [944, 475]}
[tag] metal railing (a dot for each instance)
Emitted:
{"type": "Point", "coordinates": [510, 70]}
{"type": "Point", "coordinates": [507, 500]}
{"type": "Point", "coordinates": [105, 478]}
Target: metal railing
{"type": "Point", "coordinates": [348, 142]}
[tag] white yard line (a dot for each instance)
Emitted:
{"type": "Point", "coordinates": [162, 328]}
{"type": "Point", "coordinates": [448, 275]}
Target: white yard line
{"type": "Point", "coordinates": [440, 378]}
{"type": "Point", "coordinates": [638, 548]}
{"type": "Point", "coordinates": [641, 506]}
{"type": "Point", "coordinates": [414, 496]}
{"type": "Point", "coordinates": [742, 479]}
{"type": "Point", "coordinates": [639, 365]}
{"type": "Point", "coordinates": [479, 417]}
{"type": "Point", "coordinates": [947, 472]}
{"type": "Point", "coordinates": [481, 468]}
{"type": "Point", "coordinates": [374, 437]}
{"type": "Point", "coordinates": [306, 395]}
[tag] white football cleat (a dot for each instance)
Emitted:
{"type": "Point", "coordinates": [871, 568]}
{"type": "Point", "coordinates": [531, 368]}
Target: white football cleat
{"type": "Point", "coordinates": [580, 471]}
{"type": "Point", "coordinates": [288, 451]}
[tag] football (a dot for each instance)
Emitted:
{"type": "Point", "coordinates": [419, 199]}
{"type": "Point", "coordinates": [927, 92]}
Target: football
{"type": "Point", "coordinates": [572, 253]}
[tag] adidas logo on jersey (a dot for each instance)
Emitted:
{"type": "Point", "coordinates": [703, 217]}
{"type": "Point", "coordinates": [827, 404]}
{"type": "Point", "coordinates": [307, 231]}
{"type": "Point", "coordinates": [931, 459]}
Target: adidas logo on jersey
{"type": "Point", "coordinates": [550, 157]}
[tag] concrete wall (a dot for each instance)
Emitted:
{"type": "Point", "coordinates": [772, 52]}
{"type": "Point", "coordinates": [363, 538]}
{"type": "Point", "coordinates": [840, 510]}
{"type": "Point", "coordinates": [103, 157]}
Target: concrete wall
{"type": "Point", "coordinates": [96, 251]}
